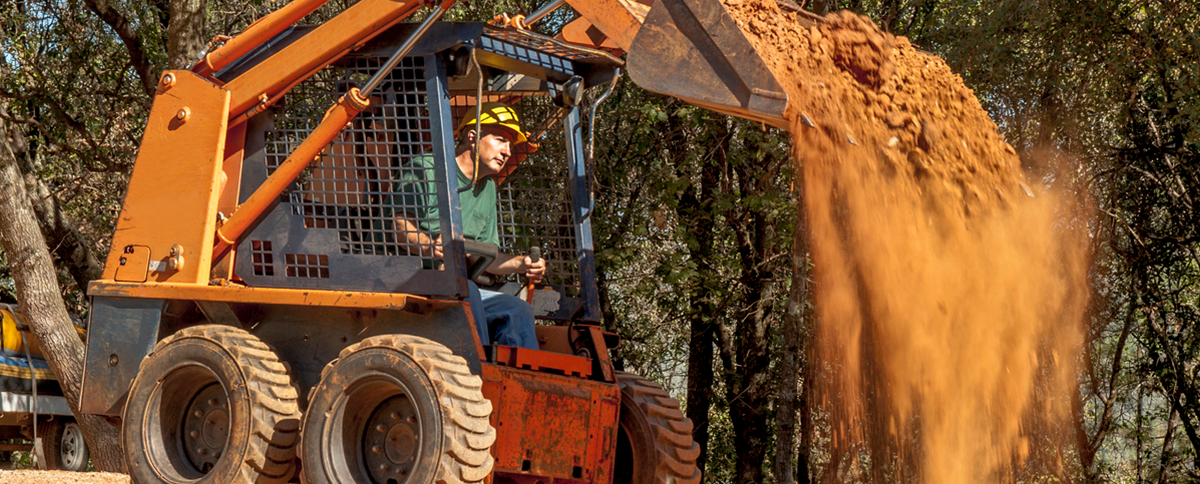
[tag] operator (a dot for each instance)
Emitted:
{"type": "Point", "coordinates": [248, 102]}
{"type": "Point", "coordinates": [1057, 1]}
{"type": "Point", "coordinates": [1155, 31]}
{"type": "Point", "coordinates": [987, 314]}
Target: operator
{"type": "Point", "coordinates": [500, 318]}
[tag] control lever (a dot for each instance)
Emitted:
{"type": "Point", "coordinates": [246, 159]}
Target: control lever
{"type": "Point", "coordinates": [535, 254]}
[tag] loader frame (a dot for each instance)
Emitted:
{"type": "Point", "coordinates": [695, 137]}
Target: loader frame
{"type": "Point", "coordinates": [260, 308]}
{"type": "Point", "coordinates": [321, 277]}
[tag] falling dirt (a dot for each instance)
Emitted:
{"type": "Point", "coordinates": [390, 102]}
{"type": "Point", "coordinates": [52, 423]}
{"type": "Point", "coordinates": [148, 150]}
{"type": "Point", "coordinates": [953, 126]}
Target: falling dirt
{"type": "Point", "coordinates": [949, 290]}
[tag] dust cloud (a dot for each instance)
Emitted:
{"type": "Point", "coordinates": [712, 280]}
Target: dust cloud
{"type": "Point", "coordinates": [949, 290]}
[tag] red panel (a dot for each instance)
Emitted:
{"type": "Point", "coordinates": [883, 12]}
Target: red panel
{"type": "Point", "coordinates": [543, 360]}
{"type": "Point", "coordinates": [553, 426]}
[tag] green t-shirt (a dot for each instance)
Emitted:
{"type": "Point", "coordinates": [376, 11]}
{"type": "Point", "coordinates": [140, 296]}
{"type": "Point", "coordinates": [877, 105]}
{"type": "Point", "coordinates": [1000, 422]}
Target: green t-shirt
{"type": "Point", "coordinates": [417, 191]}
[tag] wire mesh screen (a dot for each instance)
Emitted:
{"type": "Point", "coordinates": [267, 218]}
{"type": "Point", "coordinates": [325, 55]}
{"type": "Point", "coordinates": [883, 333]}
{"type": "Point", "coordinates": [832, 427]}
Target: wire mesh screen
{"type": "Point", "coordinates": [534, 201]}
{"type": "Point", "coordinates": [534, 48]}
{"type": "Point", "coordinates": [376, 183]}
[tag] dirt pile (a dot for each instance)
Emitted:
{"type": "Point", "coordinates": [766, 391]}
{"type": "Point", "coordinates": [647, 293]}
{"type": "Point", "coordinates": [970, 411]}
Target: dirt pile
{"type": "Point", "coordinates": [949, 293]}
{"type": "Point", "coordinates": [61, 477]}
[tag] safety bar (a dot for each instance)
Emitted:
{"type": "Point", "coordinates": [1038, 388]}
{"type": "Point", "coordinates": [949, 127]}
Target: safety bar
{"type": "Point", "coordinates": [405, 48]}
{"type": "Point", "coordinates": [546, 9]}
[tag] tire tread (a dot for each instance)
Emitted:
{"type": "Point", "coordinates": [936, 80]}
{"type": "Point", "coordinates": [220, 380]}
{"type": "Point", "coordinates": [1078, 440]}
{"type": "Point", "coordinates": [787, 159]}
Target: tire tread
{"type": "Point", "coordinates": [467, 433]}
{"type": "Point", "coordinates": [675, 452]}
{"type": "Point", "coordinates": [274, 407]}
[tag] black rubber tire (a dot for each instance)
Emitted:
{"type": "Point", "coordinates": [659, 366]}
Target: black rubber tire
{"type": "Point", "coordinates": [654, 440]}
{"type": "Point", "coordinates": [406, 387]}
{"type": "Point", "coordinates": [60, 445]}
{"type": "Point", "coordinates": [232, 391]}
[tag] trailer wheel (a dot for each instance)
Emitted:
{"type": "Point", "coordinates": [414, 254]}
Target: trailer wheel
{"type": "Point", "coordinates": [211, 404]}
{"type": "Point", "coordinates": [654, 441]}
{"type": "Point", "coordinates": [60, 445]}
{"type": "Point", "coordinates": [397, 409]}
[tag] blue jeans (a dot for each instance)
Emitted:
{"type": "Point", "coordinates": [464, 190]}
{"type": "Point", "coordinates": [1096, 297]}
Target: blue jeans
{"type": "Point", "coordinates": [502, 319]}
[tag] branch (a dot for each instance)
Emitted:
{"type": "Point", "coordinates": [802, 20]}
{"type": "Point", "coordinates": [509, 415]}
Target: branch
{"type": "Point", "coordinates": [133, 42]}
{"type": "Point", "coordinates": [54, 107]}
{"type": "Point", "coordinates": [108, 165]}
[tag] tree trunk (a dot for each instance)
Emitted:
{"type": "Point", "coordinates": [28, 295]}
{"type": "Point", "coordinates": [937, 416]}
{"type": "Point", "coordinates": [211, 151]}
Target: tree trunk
{"type": "Point", "coordinates": [700, 372]}
{"type": "Point", "coordinates": [42, 306]}
{"type": "Point", "coordinates": [696, 212]}
{"type": "Point", "coordinates": [749, 397]}
{"type": "Point", "coordinates": [786, 401]}
{"type": "Point", "coordinates": [1164, 458]}
{"type": "Point", "coordinates": [185, 34]}
{"type": "Point", "coordinates": [749, 387]}
{"type": "Point", "coordinates": [791, 360]}
{"type": "Point", "coordinates": [804, 473]}
{"type": "Point", "coordinates": [60, 230]}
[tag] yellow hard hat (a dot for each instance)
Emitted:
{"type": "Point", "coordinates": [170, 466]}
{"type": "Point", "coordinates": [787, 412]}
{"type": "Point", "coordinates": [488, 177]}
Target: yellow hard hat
{"type": "Point", "coordinates": [495, 113]}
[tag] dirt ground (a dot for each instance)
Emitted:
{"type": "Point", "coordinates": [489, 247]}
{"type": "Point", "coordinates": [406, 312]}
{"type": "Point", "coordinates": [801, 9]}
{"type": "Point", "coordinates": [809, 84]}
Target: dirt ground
{"type": "Point", "coordinates": [60, 477]}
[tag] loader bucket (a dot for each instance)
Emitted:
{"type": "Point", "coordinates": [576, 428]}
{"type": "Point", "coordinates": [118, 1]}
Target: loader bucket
{"type": "Point", "coordinates": [694, 50]}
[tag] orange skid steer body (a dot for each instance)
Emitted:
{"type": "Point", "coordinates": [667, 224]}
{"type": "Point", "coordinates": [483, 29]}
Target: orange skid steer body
{"type": "Point", "coordinates": [263, 318]}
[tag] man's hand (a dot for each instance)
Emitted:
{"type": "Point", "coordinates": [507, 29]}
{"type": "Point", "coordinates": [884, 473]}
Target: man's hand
{"type": "Point", "coordinates": [419, 243]}
{"type": "Point", "coordinates": [437, 248]}
{"type": "Point", "coordinates": [518, 264]}
{"type": "Point", "coordinates": [534, 270]}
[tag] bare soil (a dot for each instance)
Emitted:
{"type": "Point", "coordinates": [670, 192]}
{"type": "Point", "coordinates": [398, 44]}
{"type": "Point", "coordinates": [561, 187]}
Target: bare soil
{"type": "Point", "coordinates": [61, 477]}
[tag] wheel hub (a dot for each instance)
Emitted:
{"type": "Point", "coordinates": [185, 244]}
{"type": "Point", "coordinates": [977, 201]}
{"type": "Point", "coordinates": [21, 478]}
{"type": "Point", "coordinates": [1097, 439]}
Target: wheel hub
{"type": "Point", "coordinates": [391, 440]}
{"type": "Point", "coordinates": [72, 446]}
{"type": "Point", "coordinates": [206, 427]}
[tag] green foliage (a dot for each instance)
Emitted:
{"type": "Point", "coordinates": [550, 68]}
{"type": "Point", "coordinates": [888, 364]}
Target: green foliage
{"type": "Point", "coordinates": [76, 103]}
{"type": "Point", "coordinates": [17, 459]}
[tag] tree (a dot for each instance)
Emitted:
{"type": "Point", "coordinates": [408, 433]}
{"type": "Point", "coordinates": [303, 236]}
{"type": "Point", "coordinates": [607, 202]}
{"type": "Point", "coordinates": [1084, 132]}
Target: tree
{"type": "Point", "coordinates": [43, 308]}
{"type": "Point", "coordinates": [59, 146]}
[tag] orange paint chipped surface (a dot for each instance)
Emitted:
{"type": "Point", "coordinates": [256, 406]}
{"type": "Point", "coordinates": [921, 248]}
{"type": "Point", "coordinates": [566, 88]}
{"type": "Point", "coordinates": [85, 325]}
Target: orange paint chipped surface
{"type": "Point", "coordinates": [260, 295]}
{"type": "Point", "coordinates": [949, 299]}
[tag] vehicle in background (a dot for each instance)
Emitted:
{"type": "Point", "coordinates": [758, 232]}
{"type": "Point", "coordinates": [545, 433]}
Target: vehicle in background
{"type": "Point", "coordinates": [33, 410]}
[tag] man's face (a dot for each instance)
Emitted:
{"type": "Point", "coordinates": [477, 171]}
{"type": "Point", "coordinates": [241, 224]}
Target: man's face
{"type": "Point", "coordinates": [495, 148]}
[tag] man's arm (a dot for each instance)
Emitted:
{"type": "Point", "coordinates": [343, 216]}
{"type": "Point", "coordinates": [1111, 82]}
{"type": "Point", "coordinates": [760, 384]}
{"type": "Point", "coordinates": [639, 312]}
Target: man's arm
{"type": "Point", "coordinates": [424, 243]}
{"type": "Point", "coordinates": [504, 264]}
{"type": "Point", "coordinates": [513, 264]}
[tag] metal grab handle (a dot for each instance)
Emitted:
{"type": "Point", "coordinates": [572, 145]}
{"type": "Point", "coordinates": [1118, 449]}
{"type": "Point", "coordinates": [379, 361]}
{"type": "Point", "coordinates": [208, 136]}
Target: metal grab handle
{"type": "Point", "coordinates": [546, 9]}
{"type": "Point", "coordinates": [404, 48]}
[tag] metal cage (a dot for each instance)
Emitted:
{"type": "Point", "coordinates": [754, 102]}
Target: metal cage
{"type": "Point", "coordinates": [339, 225]}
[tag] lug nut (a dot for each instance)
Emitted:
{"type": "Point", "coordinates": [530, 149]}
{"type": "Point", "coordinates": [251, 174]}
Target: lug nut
{"type": "Point", "coordinates": [198, 414]}
{"type": "Point", "coordinates": [412, 419]}
{"type": "Point", "coordinates": [376, 449]}
{"type": "Point", "coordinates": [214, 402]}
{"type": "Point", "coordinates": [383, 467]}
{"type": "Point", "coordinates": [395, 415]}
{"type": "Point", "coordinates": [381, 428]}
{"type": "Point", "coordinates": [193, 434]}
{"type": "Point", "coordinates": [202, 451]}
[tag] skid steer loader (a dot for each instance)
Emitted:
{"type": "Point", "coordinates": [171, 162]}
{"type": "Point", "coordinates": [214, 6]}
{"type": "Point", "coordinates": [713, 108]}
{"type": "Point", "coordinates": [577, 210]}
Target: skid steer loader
{"type": "Point", "coordinates": [260, 320]}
